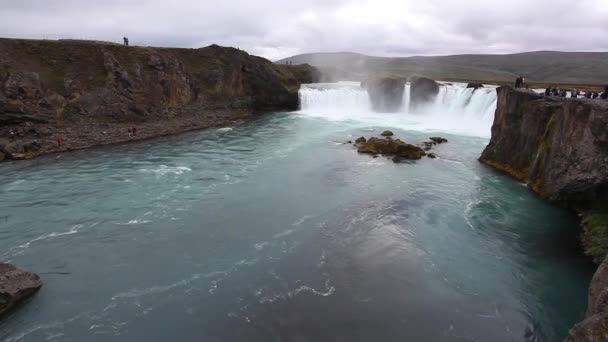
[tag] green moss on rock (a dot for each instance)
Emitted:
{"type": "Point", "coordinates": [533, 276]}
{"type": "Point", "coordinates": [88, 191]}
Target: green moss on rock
{"type": "Point", "coordinates": [595, 234]}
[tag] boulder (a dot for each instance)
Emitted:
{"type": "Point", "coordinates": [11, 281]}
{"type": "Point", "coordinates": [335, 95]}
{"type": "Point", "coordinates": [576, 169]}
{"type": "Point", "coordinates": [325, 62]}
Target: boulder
{"type": "Point", "coordinates": [391, 147]}
{"type": "Point", "coordinates": [422, 92]}
{"type": "Point", "coordinates": [360, 140]}
{"type": "Point", "coordinates": [16, 285]}
{"type": "Point", "coordinates": [438, 140]}
{"type": "Point", "coordinates": [431, 155]}
{"type": "Point", "coordinates": [385, 94]}
{"type": "Point", "coordinates": [14, 147]}
{"type": "Point", "coordinates": [387, 134]}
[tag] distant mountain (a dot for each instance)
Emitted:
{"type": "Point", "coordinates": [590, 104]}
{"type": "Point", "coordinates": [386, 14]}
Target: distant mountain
{"type": "Point", "coordinates": [538, 66]}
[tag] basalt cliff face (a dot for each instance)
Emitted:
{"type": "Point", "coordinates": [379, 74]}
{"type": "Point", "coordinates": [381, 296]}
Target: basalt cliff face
{"type": "Point", "coordinates": [385, 94]}
{"type": "Point", "coordinates": [91, 93]}
{"type": "Point", "coordinates": [423, 91]}
{"type": "Point", "coordinates": [559, 147]}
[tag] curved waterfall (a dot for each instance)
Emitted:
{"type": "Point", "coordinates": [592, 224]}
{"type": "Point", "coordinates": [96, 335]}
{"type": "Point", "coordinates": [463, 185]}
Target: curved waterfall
{"type": "Point", "coordinates": [456, 109]}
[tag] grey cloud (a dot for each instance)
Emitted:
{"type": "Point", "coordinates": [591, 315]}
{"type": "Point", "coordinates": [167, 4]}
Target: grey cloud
{"type": "Point", "coordinates": [277, 29]}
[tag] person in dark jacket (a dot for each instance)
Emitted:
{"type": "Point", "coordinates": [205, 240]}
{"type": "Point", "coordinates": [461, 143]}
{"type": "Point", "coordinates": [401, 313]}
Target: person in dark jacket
{"type": "Point", "coordinates": [604, 95]}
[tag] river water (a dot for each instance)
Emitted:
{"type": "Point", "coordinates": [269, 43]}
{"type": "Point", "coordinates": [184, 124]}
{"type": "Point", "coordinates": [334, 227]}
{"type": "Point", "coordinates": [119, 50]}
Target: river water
{"type": "Point", "coordinates": [274, 230]}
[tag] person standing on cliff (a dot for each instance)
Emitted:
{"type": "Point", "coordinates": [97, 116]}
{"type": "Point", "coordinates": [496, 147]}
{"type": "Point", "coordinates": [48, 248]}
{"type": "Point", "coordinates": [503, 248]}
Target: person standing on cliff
{"type": "Point", "coordinates": [58, 140]}
{"type": "Point", "coordinates": [519, 82]}
{"type": "Point", "coordinates": [125, 40]}
{"type": "Point", "coordinates": [604, 95]}
{"type": "Point", "coordinates": [134, 130]}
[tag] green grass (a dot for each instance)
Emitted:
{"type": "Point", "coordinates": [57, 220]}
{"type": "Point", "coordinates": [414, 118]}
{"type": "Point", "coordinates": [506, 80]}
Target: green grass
{"type": "Point", "coordinates": [542, 68]}
{"type": "Point", "coordinates": [595, 234]}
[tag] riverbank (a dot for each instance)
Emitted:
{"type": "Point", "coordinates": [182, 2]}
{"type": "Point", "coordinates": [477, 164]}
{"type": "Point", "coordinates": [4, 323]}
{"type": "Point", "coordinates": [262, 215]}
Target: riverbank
{"type": "Point", "coordinates": [92, 134]}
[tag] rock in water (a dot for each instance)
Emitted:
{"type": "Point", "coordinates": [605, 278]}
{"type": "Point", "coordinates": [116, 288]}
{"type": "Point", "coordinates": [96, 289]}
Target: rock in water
{"type": "Point", "coordinates": [395, 148]}
{"type": "Point", "coordinates": [385, 94]}
{"type": "Point", "coordinates": [387, 134]}
{"type": "Point", "coordinates": [422, 91]}
{"type": "Point", "coordinates": [360, 140]}
{"type": "Point", "coordinates": [438, 140]}
{"type": "Point", "coordinates": [16, 285]}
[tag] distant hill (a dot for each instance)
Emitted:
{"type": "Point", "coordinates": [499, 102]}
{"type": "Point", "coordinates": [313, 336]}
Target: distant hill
{"type": "Point", "coordinates": [538, 66]}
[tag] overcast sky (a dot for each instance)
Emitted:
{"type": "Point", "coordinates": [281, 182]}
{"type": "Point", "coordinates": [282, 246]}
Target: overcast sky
{"type": "Point", "coordinates": [277, 29]}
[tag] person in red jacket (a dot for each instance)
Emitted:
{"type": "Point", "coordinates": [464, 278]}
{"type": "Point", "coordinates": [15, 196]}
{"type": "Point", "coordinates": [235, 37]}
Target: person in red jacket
{"type": "Point", "coordinates": [133, 130]}
{"type": "Point", "coordinates": [58, 140]}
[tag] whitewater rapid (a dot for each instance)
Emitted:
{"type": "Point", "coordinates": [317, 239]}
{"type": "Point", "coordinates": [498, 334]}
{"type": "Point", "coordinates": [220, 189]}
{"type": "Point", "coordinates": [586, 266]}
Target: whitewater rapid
{"type": "Point", "coordinates": [456, 109]}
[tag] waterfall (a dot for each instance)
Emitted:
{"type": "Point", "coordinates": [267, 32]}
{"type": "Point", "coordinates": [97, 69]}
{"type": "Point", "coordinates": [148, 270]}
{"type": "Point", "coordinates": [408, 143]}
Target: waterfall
{"type": "Point", "coordinates": [456, 109]}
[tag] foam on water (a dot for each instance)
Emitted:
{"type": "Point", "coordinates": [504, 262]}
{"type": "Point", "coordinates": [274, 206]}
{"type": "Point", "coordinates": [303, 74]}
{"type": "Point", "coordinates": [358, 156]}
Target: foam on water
{"type": "Point", "coordinates": [164, 170]}
{"type": "Point", "coordinates": [456, 109]}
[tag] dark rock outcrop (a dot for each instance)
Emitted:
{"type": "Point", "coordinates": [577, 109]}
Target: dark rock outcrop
{"type": "Point", "coordinates": [438, 140]}
{"type": "Point", "coordinates": [390, 147]}
{"type": "Point", "coordinates": [16, 285]}
{"type": "Point", "coordinates": [594, 328]}
{"type": "Point", "coordinates": [387, 134]}
{"type": "Point", "coordinates": [360, 140]}
{"type": "Point", "coordinates": [558, 146]}
{"type": "Point", "coordinates": [475, 85]}
{"type": "Point", "coordinates": [385, 94]}
{"type": "Point", "coordinates": [78, 89]}
{"type": "Point", "coordinates": [422, 91]}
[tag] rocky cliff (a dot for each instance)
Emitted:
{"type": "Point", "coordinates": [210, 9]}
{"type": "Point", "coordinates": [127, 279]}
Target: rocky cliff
{"type": "Point", "coordinates": [385, 94]}
{"type": "Point", "coordinates": [559, 147]}
{"type": "Point", "coordinates": [594, 328]}
{"type": "Point", "coordinates": [422, 91]}
{"type": "Point", "coordinates": [90, 93]}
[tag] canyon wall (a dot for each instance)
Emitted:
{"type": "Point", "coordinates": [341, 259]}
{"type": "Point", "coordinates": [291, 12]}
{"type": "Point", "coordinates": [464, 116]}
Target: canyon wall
{"type": "Point", "coordinates": [79, 90]}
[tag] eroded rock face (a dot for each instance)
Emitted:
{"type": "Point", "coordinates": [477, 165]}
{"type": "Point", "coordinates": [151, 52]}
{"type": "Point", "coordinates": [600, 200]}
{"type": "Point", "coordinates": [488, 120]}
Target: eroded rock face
{"type": "Point", "coordinates": [16, 285]}
{"type": "Point", "coordinates": [594, 328]}
{"type": "Point", "coordinates": [74, 85]}
{"type": "Point", "coordinates": [390, 147]}
{"type": "Point", "coordinates": [385, 94]}
{"type": "Point", "coordinates": [422, 91]}
{"type": "Point", "coordinates": [558, 146]}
